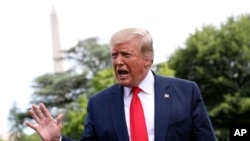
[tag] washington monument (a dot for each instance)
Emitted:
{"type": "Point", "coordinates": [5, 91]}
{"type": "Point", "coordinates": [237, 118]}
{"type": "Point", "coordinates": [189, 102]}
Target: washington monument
{"type": "Point", "coordinates": [58, 65]}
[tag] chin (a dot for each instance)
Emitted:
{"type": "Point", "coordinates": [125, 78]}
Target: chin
{"type": "Point", "coordinates": [123, 83]}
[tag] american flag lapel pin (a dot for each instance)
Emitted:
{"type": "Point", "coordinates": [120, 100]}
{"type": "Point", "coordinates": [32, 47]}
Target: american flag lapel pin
{"type": "Point", "coordinates": [166, 95]}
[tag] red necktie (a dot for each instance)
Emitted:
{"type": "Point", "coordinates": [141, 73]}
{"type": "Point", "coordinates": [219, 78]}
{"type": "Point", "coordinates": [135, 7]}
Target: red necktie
{"type": "Point", "coordinates": [138, 129]}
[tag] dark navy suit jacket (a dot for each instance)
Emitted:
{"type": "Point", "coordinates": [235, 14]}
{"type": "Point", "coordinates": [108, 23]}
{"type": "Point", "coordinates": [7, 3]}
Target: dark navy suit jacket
{"type": "Point", "coordinates": [180, 114]}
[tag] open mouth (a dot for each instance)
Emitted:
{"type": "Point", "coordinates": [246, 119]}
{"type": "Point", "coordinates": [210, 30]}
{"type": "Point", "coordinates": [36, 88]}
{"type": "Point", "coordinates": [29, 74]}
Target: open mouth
{"type": "Point", "coordinates": [122, 73]}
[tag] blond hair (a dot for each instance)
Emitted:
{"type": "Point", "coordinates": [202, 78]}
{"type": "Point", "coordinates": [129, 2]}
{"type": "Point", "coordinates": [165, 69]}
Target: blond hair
{"type": "Point", "coordinates": [143, 36]}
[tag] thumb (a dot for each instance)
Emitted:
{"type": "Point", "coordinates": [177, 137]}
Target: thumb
{"type": "Point", "coordinates": [59, 120]}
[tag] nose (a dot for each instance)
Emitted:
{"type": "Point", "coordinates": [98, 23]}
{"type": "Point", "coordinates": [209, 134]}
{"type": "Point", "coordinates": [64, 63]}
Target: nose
{"type": "Point", "coordinates": [118, 60]}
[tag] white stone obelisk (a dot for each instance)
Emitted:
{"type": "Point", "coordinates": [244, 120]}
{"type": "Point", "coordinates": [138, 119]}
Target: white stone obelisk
{"type": "Point", "coordinates": [58, 65]}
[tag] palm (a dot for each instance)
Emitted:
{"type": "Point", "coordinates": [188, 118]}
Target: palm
{"type": "Point", "coordinates": [47, 128]}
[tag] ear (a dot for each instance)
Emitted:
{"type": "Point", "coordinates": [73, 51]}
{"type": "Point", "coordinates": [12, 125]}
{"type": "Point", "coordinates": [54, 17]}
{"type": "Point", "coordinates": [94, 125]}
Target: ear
{"type": "Point", "coordinates": [147, 62]}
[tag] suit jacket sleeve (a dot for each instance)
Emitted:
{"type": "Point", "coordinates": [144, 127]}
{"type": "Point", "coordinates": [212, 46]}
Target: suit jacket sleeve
{"type": "Point", "coordinates": [202, 127]}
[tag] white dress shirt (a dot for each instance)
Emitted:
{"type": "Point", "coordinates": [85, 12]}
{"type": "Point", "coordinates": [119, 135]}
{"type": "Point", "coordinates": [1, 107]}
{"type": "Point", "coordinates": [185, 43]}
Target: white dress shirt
{"type": "Point", "coordinates": [147, 100]}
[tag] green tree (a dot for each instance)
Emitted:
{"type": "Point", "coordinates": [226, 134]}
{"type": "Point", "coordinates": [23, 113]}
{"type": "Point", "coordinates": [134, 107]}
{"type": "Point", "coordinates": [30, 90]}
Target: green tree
{"type": "Point", "coordinates": [163, 69]}
{"type": "Point", "coordinates": [63, 92]}
{"type": "Point", "coordinates": [218, 60]}
{"type": "Point", "coordinates": [59, 89]}
{"type": "Point", "coordinates": [32, 137]}
{"type": "Point", "coordinates": [103, 79]}
{"type": "Point", "coordinates": [87, 57]}
{"type": "Point", "coordinates": [74, 118]}
{"type": "Point", "coordinates": [16, 130]}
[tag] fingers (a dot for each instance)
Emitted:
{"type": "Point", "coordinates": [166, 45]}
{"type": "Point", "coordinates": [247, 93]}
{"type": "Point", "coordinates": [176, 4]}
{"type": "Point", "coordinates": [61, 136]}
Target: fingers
{"type": "Point", "coordinates": [37, 112]}
{"type": "Point", "coordinates": [42, 116]}
{"type": "Point", "coordinates": [40, 113]}
{"type": "Point", "coordinates": [45, 111]}
{"type": "Point", "coordinates": [59, 120]}
{"type": "Point", "coordinates": [34, 116]}
{"type": "Point", "coordinates": [33, 126]}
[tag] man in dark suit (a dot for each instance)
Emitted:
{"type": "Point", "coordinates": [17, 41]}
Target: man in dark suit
{"type": "Point", "coordinates": [142, 106]}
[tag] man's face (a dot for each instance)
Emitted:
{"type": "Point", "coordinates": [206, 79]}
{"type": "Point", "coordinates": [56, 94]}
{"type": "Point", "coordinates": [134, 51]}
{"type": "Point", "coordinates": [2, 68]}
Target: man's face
{"type": "Point", "coordinates": [129, 64]}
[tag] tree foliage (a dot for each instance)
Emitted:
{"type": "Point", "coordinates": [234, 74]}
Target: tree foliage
{"type": "Point", "coordinates": [57, 89]}
{"type": "Point", "coordinates": [32, 137]}
{"type": "Point", "coordinates": [67, 92]}
{"type": "Point", "coordinates": [16, 127]}
{"type": "Point", "coordinates": [103, 79]}
{"type": "Point", "coordinates": [88, 56]}
{"type": "Point", "coordinates": [163, 69]}
{"type": "Point", "coordinates": [218, 60]}
{"type": "Point", "coordinates": [74, 119]}
{"type": "Point", "coordinates": [16, 120]}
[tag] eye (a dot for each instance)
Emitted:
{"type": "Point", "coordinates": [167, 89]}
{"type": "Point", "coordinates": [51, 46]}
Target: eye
{"type": "Point", "coordinates": [126, 54]}
{"type": "Point", "coordinates": [114, 55]}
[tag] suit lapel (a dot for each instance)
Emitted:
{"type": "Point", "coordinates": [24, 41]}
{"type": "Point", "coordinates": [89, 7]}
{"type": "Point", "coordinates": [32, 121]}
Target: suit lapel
{"type": "Point", "coordinates": [162, 108]}
{"type": "Point", "coordinates": [117, 113]}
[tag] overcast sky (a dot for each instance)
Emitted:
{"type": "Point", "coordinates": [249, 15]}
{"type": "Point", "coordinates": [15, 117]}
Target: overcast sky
{"type": "Point", "coordinates": [25, 34]}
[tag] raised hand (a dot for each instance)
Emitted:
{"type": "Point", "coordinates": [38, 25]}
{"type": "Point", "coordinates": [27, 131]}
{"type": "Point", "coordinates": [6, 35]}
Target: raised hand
{"type": "Point", "coordinates": [48, 128]}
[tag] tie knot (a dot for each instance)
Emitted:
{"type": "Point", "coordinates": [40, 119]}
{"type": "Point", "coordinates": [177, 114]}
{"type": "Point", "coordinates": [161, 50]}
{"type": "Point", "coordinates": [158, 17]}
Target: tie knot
{"type": "Point", "coordinates": [136, 90]}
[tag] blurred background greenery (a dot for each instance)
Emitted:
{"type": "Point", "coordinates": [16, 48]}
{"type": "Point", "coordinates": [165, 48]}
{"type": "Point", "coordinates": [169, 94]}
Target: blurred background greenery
{"type": "Point", "coordinates": [217, 58]}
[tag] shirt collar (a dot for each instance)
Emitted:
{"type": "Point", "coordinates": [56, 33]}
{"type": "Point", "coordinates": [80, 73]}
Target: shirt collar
{"type": "Point", "coordinates": [147, 85]}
